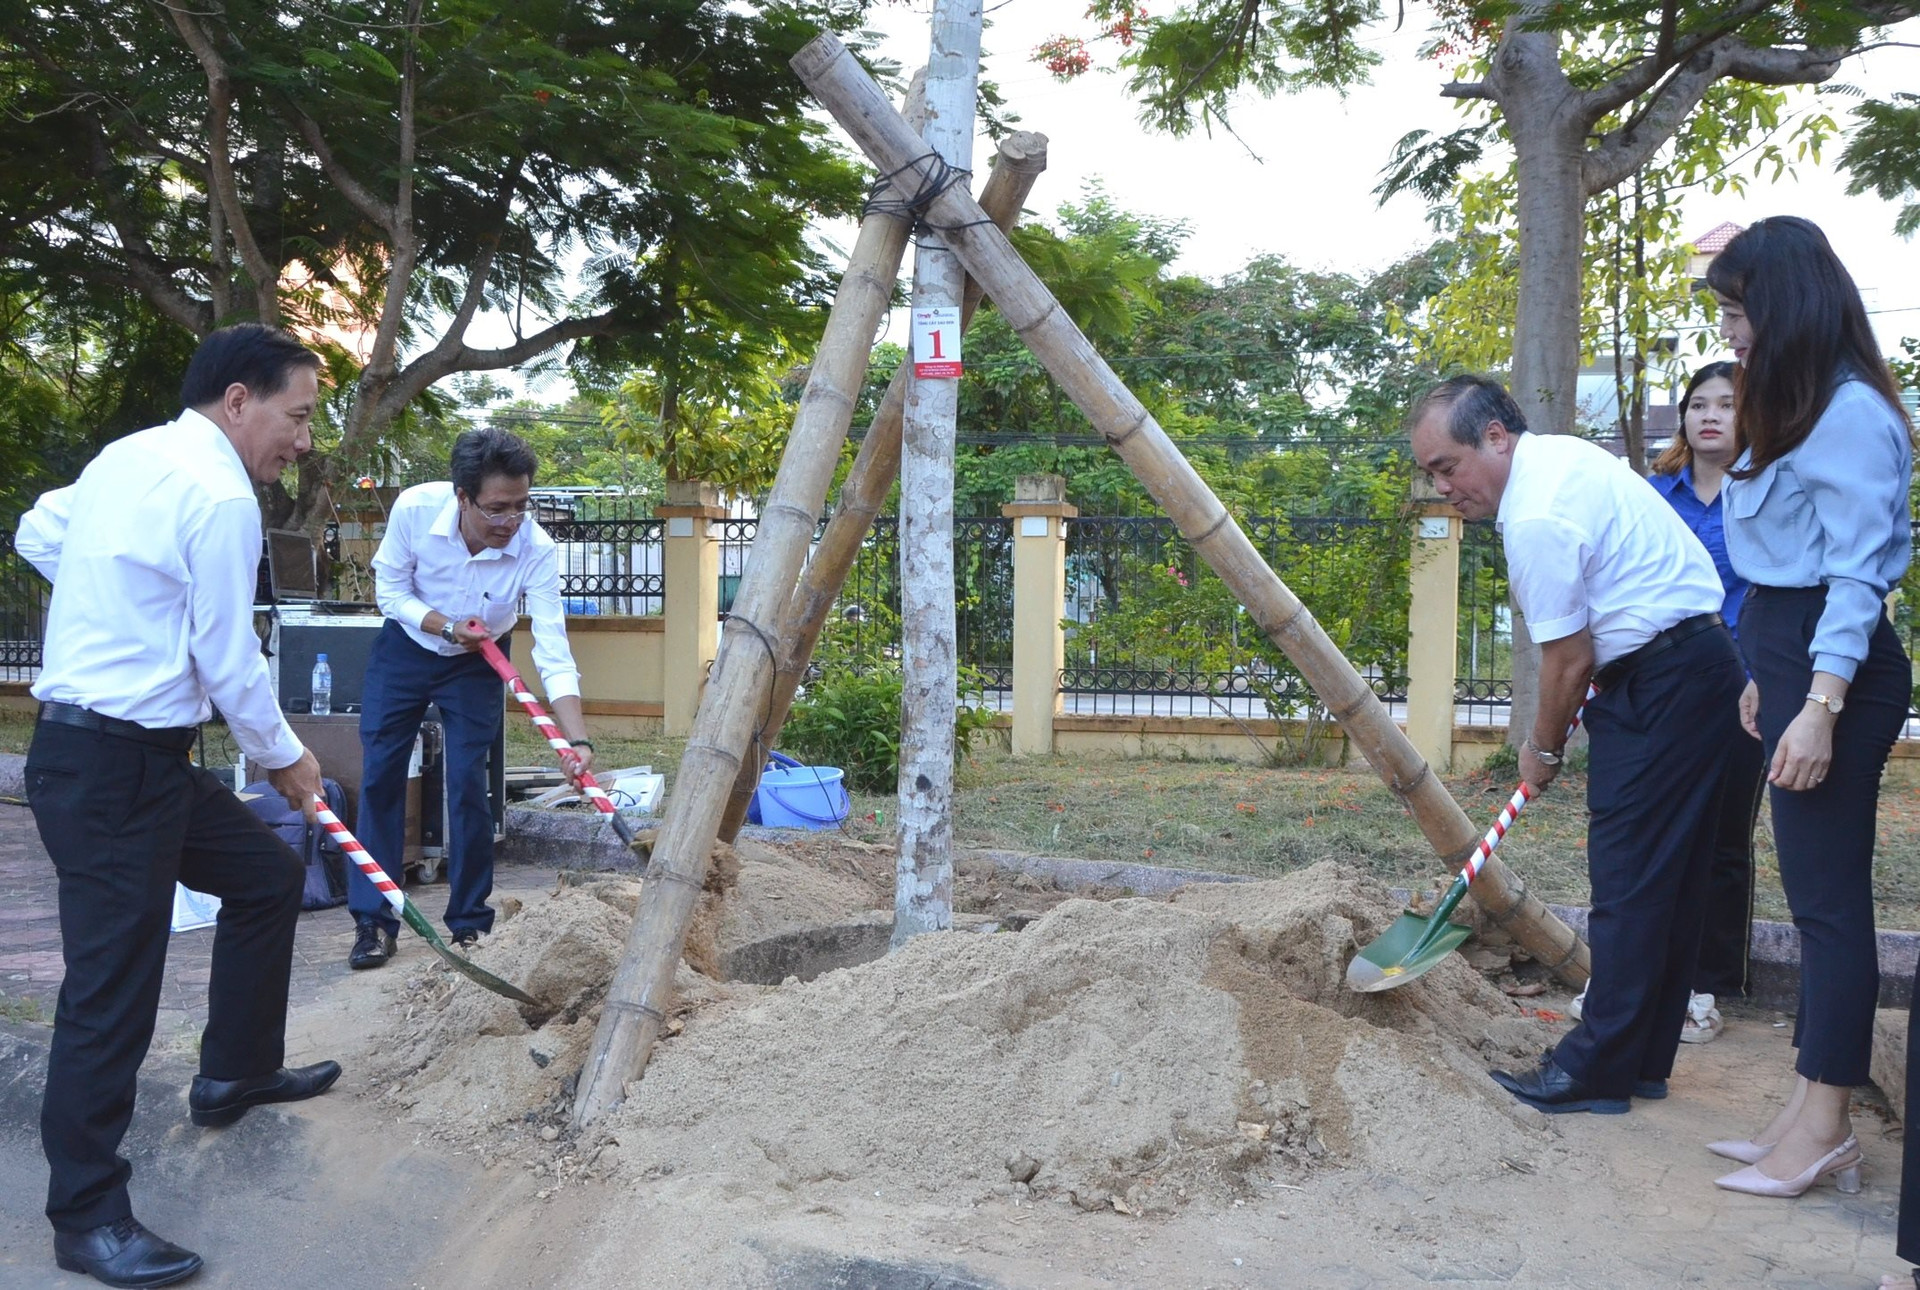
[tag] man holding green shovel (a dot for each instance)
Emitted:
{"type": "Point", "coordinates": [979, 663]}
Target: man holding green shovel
{"type": "Point", "coordinates": [1618, 592]}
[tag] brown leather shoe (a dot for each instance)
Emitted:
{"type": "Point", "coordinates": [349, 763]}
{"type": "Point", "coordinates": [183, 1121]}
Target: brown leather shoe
{"type": "Point", "coordinates": [214, 1102]}
{"type": "Point", "coordinates": [123, 1253]}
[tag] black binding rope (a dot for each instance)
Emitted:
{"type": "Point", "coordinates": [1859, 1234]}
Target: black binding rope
{"type": "Point", "coordinates": [889, 196]}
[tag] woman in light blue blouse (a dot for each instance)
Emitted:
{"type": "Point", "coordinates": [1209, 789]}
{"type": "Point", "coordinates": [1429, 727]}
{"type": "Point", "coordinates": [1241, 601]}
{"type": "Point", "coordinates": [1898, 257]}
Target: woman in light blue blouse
{"type": "Point", "coordinates": [1817, 519]}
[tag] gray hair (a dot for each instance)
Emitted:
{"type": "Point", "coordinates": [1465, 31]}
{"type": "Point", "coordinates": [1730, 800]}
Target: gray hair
{"type": "Point", "coordinates": [1471, 403]}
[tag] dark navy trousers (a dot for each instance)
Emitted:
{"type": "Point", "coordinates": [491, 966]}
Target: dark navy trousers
{"type": "Point", "coordinates": [1824, 836]}
{"type": "Point", "coordinates": [402, 680]}
{"type": "Point", "coordinates": [1659, 741]}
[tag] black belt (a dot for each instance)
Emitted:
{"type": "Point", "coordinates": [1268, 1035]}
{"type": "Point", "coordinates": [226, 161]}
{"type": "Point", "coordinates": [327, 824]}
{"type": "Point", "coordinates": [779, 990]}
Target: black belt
{"type": "Point", "coordinates": [1615, 671]}
{"type": "Point", "coordinates": [174, 739]}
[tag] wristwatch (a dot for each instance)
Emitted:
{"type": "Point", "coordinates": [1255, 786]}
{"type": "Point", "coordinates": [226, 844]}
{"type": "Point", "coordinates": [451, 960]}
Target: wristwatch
{"type": "Point", "coordinates": [1546, 758]}
{"type": "Point", "coordinates": [1831, 702]}
{"type": "Point", "coordinates": [446, 633]}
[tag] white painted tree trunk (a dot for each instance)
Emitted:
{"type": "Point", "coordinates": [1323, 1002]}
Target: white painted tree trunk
{"type": "Point", "coordinates": [923, 875]}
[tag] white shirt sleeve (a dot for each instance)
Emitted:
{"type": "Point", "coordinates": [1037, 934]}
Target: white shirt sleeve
{"type": "Point", "coordinates": [223, 555]}
{"type": "Point", "coordinates": [43, 531]}
{"type": "Point", "coordinates": [393, 566]}
{"type": "Point", "coordinates": [1546, 570]}
{"type": "Point", "coordinates": [552, 655]}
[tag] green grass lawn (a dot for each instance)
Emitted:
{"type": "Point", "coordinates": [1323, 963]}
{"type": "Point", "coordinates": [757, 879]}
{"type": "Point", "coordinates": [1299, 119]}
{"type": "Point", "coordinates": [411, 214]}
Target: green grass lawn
{"type": "Point", "coordinates": [1253, 820]}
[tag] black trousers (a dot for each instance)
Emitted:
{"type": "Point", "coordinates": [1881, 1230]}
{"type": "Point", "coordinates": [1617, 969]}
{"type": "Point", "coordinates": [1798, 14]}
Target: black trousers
{"type": "Point", "coordinates": [1824, 835]}
{"type": "Point", "coordinates": [1658, 744]}
{"type": "Point", "coordinates": [1726, 935]}
{"type": "Point", "coordinates": [402, 679]}
{"type": "Point", "coordinates": [122, 821]}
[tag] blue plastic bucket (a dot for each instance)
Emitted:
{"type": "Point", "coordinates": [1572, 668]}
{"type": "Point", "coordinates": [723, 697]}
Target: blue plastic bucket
{"type": "Point", "coordinates": [792, 796]}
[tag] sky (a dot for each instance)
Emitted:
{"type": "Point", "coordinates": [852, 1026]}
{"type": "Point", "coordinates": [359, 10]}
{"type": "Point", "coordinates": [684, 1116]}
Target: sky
{"type": "Point", "coordinates": [1308, 194]}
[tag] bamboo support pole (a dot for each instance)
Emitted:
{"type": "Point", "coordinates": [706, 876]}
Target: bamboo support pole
{"type": "Point", "coordinates": [736, 692]}
{"type": "Point", "coordinates": [1017, 164]}
{"type": "Point", "coordinates": [850, 95]}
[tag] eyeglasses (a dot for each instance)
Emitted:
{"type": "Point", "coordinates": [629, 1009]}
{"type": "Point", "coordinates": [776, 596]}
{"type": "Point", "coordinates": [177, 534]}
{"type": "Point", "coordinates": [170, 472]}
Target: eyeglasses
{"type": "Point", "coordinates": [504, 518]}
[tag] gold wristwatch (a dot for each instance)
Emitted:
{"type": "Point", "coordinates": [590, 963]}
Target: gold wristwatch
{"type": "Point", "coordinates": [1831, 702]}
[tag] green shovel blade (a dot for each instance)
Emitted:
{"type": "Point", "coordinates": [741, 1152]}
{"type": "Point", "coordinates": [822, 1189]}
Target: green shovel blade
{"type": "Point", "coordinates": [1404, 952]}
{"type": "Point", "coordinates": [465, 967]}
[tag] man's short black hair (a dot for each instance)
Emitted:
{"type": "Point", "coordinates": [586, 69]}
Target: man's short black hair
{"type": "Point", "coordinates": [1471, 404]}
{"type": "Point", "coordinates": [478, 454]}
{"type": "Point", "coordinates": [259, 357]}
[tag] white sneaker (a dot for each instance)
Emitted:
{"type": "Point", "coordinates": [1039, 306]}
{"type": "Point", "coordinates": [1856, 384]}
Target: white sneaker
{"type": "Point", "coordinates": [1702, 1024]}
{"type": "Point", "coordinates": [1579, 1001]}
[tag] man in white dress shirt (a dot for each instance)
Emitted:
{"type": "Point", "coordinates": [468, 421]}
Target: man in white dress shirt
{"type": "Point", "coordinates": [455, 552]}
{"type": "Point", "coordinates": [152, 555]}
{"type": "Point", "coordinates": [1617, 591]}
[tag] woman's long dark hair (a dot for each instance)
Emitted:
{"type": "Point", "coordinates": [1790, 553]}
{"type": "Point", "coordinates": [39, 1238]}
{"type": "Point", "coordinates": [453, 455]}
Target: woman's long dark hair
{"type": "Point", "coordinates": [1679, 454]}
{"type": "Point", "coordinates": [1809, 327]}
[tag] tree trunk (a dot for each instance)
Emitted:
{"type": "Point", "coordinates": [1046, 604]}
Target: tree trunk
{"type": "Point", "coordinates": [923, 872]}
{"type": "Point", "coordinates": [1541, 108]}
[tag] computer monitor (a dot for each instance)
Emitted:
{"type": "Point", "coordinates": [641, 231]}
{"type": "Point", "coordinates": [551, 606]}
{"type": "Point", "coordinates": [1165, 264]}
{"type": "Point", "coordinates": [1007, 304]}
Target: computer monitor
{"type": "Point", "coordinates": [292, 566]}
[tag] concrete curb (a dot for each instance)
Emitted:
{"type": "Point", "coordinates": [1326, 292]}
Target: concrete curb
{"type": "Point", "coordinates": [564, 840]}
{"type": "Point", "coordinates": [13, 775]}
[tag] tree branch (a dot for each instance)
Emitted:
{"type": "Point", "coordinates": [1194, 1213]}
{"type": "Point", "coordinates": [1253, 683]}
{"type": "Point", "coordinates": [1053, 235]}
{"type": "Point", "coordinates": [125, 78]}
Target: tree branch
{"type": "Point", "coordinates": [143, 264]}
{"type": "Point", "coordinates": [444, 360]}
{"type": "Point", "coordinates": [1621, 152]}
{"type": "Point", "coordinates": [1467, 90]}
{"type": "Point", "coordinates": [266, 275]}
{"type": "Point", "coordinates": [1641, 75]}
{"type": "Point", "coordinates": [362, 198]}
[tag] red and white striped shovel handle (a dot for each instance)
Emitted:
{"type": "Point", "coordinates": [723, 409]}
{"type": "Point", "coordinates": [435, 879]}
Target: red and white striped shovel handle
{"type": "Point", "coordinates": [546, 726]}
{"type": "Point", "coordinates": [359, 855]}
{"type": "Point", "coordinates": [1515, 804]}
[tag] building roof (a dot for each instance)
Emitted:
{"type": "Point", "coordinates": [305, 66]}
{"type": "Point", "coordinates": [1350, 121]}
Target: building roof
{"type": "Point", "coordinates": [1716, 238]}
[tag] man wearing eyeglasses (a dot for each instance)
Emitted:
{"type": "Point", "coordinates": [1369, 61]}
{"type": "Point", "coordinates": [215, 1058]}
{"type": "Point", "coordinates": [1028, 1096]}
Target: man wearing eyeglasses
{"type": "Point", "coordinates": [454, 553]}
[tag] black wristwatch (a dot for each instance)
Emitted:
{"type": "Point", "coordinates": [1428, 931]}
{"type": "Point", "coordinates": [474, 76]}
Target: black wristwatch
{"type": "Point", "coordinates": [446, 633]}
{"type": "Point", "coordinates": [583, 743]}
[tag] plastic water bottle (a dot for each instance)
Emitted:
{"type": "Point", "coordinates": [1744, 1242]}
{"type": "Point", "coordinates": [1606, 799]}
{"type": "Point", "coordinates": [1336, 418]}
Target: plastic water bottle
{"type": "Point", "coordinates": [322, 687]}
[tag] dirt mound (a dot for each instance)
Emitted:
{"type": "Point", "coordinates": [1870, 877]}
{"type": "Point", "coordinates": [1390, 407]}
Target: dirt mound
{"type": "Point", "coordinates": [1123, 1053]}
{"type": "Point", "coordinates": [1129, 1051]}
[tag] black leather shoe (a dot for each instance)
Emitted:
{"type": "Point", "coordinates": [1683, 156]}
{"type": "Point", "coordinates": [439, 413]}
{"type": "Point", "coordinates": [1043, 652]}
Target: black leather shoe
{"type": "Point", "coordinates": [372, 947]}
{"type": "Point", "coordinates": [215, 1102]}
{"type": "Point", "coordinates": [123, 1253]}
{"type": "Point", "coordinates": [1650, 1089]}
{"type": "Point", "coordinates": [1550, 1089]}
{"type": "Point", "coordinates": [466, 938]}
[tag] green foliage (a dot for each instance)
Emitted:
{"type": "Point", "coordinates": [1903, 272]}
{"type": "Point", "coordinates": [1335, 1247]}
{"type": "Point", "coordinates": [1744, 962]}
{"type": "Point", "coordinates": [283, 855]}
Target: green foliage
{"type": "Point", "coordinates": [1637, 288]}
{"type": "Point", "coordinates": [722, 419]}
{"type": "Point", "coordinates": [1883, 156]}
{"type": "Point", "coordinates": [852, 720]}
{"type": "Point", "coordinates": [622, 181]}
{"type": "Point", "coordinates": [1273, 357]}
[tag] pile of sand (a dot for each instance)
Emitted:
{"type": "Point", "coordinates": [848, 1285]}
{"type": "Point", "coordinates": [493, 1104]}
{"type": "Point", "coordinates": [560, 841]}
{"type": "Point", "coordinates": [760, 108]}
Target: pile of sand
{"type": "Point", "coordinates": [1129, 1051]}
{"type": "Point", "coordinates": [1123, 1053]}
{"type": "Point", "coordinates": [464, 1060]}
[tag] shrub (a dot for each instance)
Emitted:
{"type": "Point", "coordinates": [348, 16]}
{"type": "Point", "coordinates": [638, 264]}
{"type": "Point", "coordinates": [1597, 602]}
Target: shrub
{"type": "Point", "coordinates": [852, 720]}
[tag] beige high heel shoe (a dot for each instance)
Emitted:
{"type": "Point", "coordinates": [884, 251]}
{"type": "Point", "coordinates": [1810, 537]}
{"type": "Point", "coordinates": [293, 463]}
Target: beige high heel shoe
{"type": "Point", "coordinates": [1842, 1163]}
{"type": "Point", "coordinates": [1745, 1150]}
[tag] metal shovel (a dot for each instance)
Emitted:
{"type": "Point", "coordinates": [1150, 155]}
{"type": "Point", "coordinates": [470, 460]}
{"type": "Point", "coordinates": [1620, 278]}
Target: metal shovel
{"type": "Point", "coordinates": [1415, 942]}
{"type": "Point", "coordinates": [410, 912]}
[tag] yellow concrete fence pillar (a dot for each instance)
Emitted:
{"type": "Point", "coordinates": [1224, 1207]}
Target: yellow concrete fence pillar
{"type": "Point", "coordinates": [691, 566]}
{"type": "Point", "coordinates": [1433, 625]}
{"type": "Point", "coordinates": [1039, 512]}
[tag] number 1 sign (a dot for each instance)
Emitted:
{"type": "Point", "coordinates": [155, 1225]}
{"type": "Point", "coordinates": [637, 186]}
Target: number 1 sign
{"type": "Point", "coordinates": [936, 342]}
